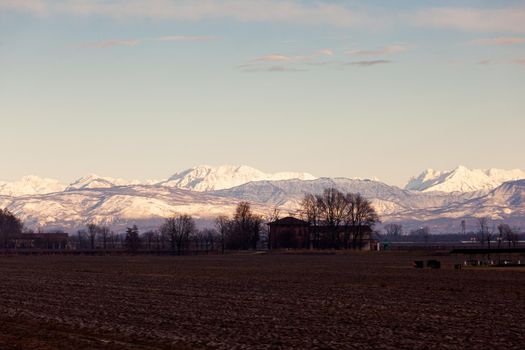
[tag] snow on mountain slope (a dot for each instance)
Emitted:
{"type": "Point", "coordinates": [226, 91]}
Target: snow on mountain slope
{"type": "Point", "coordinates": [506, 202]}
{"type": "Point", "coordinates": [387, 199]}
{"type": "Point", "coordinates": [206, 178]}
{"type": "Point", "coordinates": [30, 185]}
{"type": "Point", "coordinates": [95, 181]}
{"type": "Point", "coordinates": [507, 199]}
{"type": "Point", "coordinates": [462, 179]}
{"type": "Point", "coordinates": [116, 206]}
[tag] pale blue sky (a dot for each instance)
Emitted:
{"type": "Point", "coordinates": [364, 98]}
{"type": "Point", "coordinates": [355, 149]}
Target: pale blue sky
{"type": "Point", "coordinates": [144, 88]}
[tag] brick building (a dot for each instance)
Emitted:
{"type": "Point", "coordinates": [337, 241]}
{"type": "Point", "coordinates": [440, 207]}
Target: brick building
{"type": "Point", "coordinates": [290, 232]}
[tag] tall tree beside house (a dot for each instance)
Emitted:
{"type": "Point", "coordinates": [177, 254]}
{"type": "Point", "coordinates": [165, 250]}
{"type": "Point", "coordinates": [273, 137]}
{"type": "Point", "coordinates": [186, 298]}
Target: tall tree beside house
{"type": "Point", "coordinates": [310, 212]}
{"type": "Point", "coordinates": [333, 208]}
{"type": "Point", "coordinates": [360, 214]}
{"type": "Point", "coordinates": [242, 231]}
{"type": "Point", "coordinates": [245, 228]}
{"type": "Point", "coordinates": [10, 226]}
{"type": "Point", "coordinates": [132, 240]}
{"type": "Point", "coordinates": [178, 230]}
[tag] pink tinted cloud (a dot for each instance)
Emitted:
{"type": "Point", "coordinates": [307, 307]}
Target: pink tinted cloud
{"type": "Point", "coordinates": [387, 50]}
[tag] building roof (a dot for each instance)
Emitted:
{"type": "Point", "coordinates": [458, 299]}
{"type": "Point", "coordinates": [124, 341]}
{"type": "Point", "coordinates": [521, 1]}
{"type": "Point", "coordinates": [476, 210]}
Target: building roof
{"type": "Point", "coordinates": [289, 221]}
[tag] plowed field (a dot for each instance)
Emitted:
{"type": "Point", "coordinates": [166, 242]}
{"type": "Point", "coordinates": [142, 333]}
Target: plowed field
{"type": "Point", "coordinates": [271, 301]}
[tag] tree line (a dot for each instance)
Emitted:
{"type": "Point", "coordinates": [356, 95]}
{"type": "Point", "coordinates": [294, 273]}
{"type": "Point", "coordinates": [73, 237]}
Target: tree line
{"type": "Point", "coordinates": [486, 233]}
{"type": "Point", "coordinates": [179, 234]}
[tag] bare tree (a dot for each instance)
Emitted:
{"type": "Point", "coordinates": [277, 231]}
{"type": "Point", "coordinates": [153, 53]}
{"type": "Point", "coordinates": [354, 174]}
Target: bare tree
{"type": "Point", "coordinates": [81, 234]}
{"type": "Point", "coordinates": [104, 232]}
{"type": "Point", "coordinates": [223, 225]}
{"type": "Point", "coordinates": [336, 212]}
{"type": "Point", "coordinates": [360, 214]}
{"type": "Point", "coordinates": [92, 230]}
{"type": "Point", "coordinates": [132, 240]}
{"type": "Point", "coordinates": [245, 228]}
{"type": "Point", "coordinates": [463, 227]}
{"type": "Point", "coordinates": [422, 233]}
{"type": "Point", "coordinates": [149, 238]}
{"type": "Point", "coordinates": [209, 237]}
{"type": "Point", "coordinates": [10, 226]}
{"type": "Point", "coordinates": [393, 229]}
{"type": "Point", "coordinates": [178, 229]}
{"type": "Point", "coordinates": [511, 235]}
{"type": "Point", "coordinates": [273, 214]}
{"type": "Point", "coordinates": [333, 207]}
{"type": "Point", "coordinates": [483, 231]}
{"type": "Point", "coordinates": [112, 239]}
{"type": "Point", "coordinates": [310, 212]}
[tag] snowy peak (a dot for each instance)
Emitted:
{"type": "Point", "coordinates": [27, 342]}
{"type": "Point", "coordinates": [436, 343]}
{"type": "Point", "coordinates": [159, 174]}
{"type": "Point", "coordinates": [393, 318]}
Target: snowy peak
{"type": "Point", "coordinates": [92, 181]}
{"type": "Point", "coordinates": [30, 185]}
{"type": "Point", "coordinates": [206, 178]}
{"type": "Point", "coordinates": [462, 179]}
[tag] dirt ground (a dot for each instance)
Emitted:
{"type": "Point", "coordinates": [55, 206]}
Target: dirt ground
{"type": "Point", "coordinates": [272, 301]}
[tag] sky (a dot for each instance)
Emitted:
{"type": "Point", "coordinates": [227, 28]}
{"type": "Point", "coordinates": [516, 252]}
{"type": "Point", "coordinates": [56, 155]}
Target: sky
{"type": "Point", "coordinates": [145, 88]}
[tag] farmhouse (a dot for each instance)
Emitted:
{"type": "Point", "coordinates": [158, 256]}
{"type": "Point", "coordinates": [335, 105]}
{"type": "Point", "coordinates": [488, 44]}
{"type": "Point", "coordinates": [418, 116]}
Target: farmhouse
{"type": "Point", "coordinates": [290, 232]}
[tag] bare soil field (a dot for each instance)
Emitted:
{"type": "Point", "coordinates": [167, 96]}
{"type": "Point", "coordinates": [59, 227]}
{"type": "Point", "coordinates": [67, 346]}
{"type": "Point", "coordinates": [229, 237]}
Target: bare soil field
{"type": "Point", "coordinates": [266, 301]}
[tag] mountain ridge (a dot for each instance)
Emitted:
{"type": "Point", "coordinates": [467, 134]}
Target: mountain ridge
{"type": "Point", "coordinates": [120, 202]}
{"type": "Point", "coordinates": [462, 179]}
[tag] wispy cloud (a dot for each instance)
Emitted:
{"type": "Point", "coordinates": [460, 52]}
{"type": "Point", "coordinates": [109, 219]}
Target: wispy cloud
{"type": "Point", "coordinates": [186, 38]}
{"type": "Point", "coordinates": [273, 58]}
{"type": "Point", "coordinates": [276, 57]}
{"type": "Point", "coordinates": [267, 63]}
{"type": "Point", "coordinates": [520, 61]}
{"type": "Point", "coordinates": [387, 50]}
{"type": "Point", "coordinates": [325, 52]}
{"type": "Point", "coordinates": [497, 41]}
{"type": "Point", "coordinates": [134, 42]}
{"type": "Point", "coordinates": [111, 43]}
{"type": "Point", "coordinates": [367, 63]}
{"type": "Point", "coordinates": [298, 63]}
{"type": "Point", "coordinates": [506, 20]}
{"type": "Point", "coordinates": [36, 7]}
{"type": "Point", "coordinates": [290, 11]}
{"type": "Point", "coordinates": [486, 62]}
{"type": "Point", "coordinates": [273, 68]}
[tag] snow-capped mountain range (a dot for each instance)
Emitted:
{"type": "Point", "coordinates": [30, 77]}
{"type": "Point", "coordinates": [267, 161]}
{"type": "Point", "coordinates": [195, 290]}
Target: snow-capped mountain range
{"type": "Point", "coordinates": [200, 178]}
{"type": "Point", "coordinates": [207, 178]}
{"type": "Point", "coordinates": [462, 179]}
{"type": "Point", "coordinates": [438, 197]}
